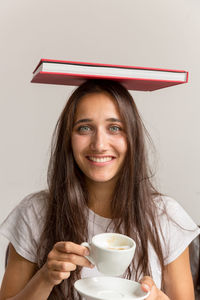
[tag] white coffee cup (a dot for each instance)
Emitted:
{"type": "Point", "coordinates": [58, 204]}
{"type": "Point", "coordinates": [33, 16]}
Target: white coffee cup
{"type": "Point", "coordinates": [111, 253]}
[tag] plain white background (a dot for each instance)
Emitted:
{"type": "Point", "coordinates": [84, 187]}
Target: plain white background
{"type": "Point", "coordinates": [151, 33]}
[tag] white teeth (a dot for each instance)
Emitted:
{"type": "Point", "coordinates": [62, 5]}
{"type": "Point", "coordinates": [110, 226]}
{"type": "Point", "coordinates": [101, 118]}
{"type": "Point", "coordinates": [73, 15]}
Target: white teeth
{"type": "Point", "coordinates": [102, 159]}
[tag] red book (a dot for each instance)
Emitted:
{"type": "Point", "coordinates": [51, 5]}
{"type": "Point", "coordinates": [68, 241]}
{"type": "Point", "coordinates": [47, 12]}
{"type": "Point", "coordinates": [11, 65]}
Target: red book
{"type": "Point", "coordinates": [133, 78]}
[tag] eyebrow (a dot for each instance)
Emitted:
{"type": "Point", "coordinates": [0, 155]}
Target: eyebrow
{"type": "Point", "coordinates": [90, 120]}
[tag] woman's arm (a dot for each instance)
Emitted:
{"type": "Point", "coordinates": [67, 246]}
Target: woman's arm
{"type": "Point", "coordinates": [22, 279]}
{"type": "Point", "coordinates": [178, 284]}
{"type": "Point", "coordinates": [178, 278]}
{"type": "Point", "coordinates": [18, 273]}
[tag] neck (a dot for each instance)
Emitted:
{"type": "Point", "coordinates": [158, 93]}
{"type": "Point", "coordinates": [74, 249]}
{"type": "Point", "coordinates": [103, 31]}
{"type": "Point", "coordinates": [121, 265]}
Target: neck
{"type": "Point", "coordinates": [100, 197]}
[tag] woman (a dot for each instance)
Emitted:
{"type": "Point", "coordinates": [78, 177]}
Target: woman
{"type": "Point", "coordinates": [98, 180]}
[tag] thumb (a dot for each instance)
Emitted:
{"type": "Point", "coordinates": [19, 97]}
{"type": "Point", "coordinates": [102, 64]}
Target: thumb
{"type": "Point", "coordinates": [146, 283]}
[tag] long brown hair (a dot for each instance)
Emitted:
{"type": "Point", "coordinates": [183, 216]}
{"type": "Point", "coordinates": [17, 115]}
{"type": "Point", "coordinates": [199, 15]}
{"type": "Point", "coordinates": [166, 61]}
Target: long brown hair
{"type": "Point", "coordinates": [133, 204]}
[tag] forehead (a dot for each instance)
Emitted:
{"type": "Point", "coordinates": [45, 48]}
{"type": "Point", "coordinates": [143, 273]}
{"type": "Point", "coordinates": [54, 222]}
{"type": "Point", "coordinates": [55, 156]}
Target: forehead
{"type": "Point", "coordinates": [97, 105]}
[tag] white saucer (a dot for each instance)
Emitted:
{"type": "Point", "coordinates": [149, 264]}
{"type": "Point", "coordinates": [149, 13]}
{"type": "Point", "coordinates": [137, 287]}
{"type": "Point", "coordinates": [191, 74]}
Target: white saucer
{"type": "Point", "coordinates": [109, 288]}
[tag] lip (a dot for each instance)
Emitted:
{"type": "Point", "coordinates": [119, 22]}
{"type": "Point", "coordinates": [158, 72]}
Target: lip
{"type": "Point", "coordinates": [100, 163]}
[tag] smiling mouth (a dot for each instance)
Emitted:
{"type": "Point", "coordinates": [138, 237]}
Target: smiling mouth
{"type": "Point", "coordinates": [100, 159]}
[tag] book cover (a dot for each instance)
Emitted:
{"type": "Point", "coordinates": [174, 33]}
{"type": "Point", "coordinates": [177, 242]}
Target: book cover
{"type": "Point", "coordinates": [133, 78]}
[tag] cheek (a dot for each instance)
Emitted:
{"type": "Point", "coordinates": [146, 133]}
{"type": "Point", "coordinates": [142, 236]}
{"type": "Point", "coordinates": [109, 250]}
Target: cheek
{"type": "Point", "coordinates": [121, 145]}
{"type": "Point", "coordinates": [79, 143]}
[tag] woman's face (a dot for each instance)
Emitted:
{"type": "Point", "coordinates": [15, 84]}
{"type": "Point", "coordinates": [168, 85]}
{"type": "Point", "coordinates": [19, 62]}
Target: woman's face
{"type": "Point", "coordinates": [98, 138]}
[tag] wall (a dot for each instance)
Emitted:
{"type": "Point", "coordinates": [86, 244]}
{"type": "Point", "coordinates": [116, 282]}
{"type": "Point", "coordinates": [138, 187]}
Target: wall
{"type": "Point", "coordinates": [133, 32]}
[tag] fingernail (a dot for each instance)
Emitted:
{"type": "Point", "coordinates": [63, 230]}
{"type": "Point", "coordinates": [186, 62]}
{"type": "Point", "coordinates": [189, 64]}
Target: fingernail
{"type": "Point", "coordinates": [86, 252]}
{"type": "Point", "coordinates": [146, 287]}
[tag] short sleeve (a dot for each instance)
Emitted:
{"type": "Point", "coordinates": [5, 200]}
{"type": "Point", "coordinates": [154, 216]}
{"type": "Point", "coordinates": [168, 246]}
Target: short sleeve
{"type": "Point", "coordinates": [24, 225]}
{"type": "Point", "coordinates": [178, 229]}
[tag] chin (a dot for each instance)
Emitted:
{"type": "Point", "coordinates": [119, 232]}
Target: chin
{"type": "Point", "coordinates": [101, 179]}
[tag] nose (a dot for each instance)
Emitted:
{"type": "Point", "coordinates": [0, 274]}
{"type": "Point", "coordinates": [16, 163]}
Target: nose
{"type": "Point", "coordinates": [99, 141]}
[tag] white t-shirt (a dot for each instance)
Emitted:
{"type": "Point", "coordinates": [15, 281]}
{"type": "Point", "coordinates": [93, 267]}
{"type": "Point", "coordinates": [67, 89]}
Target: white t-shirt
{"type": "Point", "coordinates": [24, 224]}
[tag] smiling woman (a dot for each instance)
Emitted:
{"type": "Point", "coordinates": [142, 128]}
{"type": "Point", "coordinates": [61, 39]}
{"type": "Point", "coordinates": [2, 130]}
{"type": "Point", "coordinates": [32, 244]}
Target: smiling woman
{"type": "Point", "coordinates": [99, 181]}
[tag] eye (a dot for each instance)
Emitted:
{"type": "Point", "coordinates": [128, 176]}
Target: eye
{"type": "Point", "coordinates": [84, 129]}
{"type": "Point", "coordinates": [115, 128]}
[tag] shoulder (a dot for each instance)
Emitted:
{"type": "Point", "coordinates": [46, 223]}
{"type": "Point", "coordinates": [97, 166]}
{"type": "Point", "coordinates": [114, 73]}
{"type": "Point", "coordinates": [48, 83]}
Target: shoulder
{"type": "Point", "coordinates": [170, 209]}
{"type": "Point", "coordinates": [31, 209]}
{"type": "Point", "coordinates": [36, 203]}
{"type": "Point", "coordinates": [164, 202]}
{"type": "Point", "coordinates": [33, 206]}
{"type": "Point", "coordinates": [176, 227]}
{"type": "Point", "coordinates": [25, 223]}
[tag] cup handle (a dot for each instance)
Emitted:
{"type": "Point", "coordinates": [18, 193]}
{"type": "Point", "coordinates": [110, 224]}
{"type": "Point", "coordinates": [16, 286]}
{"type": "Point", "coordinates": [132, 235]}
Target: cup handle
{"type": "Point", "coordinates": [85, 244]}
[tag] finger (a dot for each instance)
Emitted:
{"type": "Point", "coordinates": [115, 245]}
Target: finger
{"type": "Point", "coordinates": [70, 247]}
{"type": "Point", "coordinates": [80, 261]}
{"type": "Point", "coordinates": [61, 266]}
{"type": "Point", "coordinates": [56, 275]}
{"type": "Point", "coordinates": [71, 252]}
{"type": "Point", "coordinates": [147, 283]}
{"type": "Point", "coordinates": [72, 258]}
{"type": "Point", "coordinates": [60, 256]}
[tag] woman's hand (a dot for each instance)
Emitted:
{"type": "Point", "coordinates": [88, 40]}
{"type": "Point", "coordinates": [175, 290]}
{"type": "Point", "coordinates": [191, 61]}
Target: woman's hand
{"type": "Point", "coordinates": [147, 284]}
{"type": "Point", "coordinates": [61, 260]}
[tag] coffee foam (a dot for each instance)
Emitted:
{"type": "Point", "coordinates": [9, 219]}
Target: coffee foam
{"type": "Point", "coordinates": [118, 247]}
{"type": "Point", "coordinates": [114, 243]}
